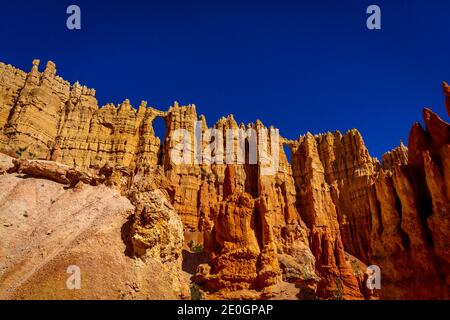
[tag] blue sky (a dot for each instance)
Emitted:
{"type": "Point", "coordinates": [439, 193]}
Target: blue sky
{"type": "Point", "coordinates": [298, 65]}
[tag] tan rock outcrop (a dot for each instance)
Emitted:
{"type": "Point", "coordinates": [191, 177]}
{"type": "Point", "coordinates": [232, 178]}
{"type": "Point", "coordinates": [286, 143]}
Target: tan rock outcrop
{"type": "Point", "coordinates": [6, 163]}
{"type": "Point", "coordinates": [51, 228]}
{"type": "Point", "coordinates": [55, 171]}
{"type": "Point", "coordinates": [157, 232]}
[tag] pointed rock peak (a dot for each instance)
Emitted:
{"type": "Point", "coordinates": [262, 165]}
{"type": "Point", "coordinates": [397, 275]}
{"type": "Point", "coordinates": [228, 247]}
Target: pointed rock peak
{"type": "Point", "coordinates": [438, 129]}
{"type": "Point", "coordinates": [125, 106]}
{"type": "Point", "coordinates": [353, 132]}
{"type": "Point", "coordinates": [417, 127]}
{"type": "Point", "coordinates": [355, 135]}
{"type": "Point", "coordinates": [220, 122]}
{"type": "Point", "coordinates": [231, 122]}
{"type": "Point", "coordinates": [36, 63]}
{"type": "Point", "coordinates": [259, 124]}
{"type": "Point", "coordinates": [337, 133]}
{"type": "Point", "coordinates": [125, 103]}
{"type": "Point", "coordinates": [175, 104]}
{"type": "Point", "coordinates": [202, 118]}
{"type": "Point", "coordinates": [427, 114]}
{"type": "Point", "coordinates": [50, 68]}
{"type": "Point", "coordinates": [432, 119]}
{"type": "Point", "coordinates": [446, 88]}
{"type": "Point", "coordinates": [142, 107]}
{"type": "Point", "coordinates": [417, 142]}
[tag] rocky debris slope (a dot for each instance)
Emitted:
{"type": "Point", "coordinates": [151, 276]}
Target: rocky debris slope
{"type": "Point", "coordinates": [312, 224]}
{"type": "Point", "coordinates": [45, 227]}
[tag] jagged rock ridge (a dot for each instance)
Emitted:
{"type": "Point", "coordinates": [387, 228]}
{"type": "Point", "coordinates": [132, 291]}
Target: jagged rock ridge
{"type": "Point", "coordinates": [313, 223]}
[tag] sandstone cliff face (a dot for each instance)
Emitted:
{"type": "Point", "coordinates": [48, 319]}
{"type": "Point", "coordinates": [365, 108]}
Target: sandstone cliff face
{"type": "Point", "coordinates": [314, 223]}
{"type": "Point", "coordinates": [319, 201]}
{"type": "Point", "coordinates": [446, 88]}
{"type": "Point", "coordinates": [45, 117]}
{"type": "Point", "coordinates": [411, 197]}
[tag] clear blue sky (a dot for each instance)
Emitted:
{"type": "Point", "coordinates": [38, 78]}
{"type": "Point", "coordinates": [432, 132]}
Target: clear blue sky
{"type": "Point", "coordinates": [299, 65]}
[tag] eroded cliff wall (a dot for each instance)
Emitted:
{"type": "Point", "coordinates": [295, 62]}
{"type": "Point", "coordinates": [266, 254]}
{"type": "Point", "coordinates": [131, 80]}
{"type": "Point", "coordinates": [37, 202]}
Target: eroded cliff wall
{"type": "Point", "coordinates": [315, 222]}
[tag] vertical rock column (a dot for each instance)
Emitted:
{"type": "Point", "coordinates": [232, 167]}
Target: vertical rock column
{"type": "Point", "coordinates": [318, 211]}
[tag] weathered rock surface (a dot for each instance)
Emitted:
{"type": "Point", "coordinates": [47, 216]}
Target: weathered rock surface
{"type": "Point", "coordinates": [320, 213]}
{"type": "Point", "coordinates": [6, 163]}
{"type": "Point", "coordinates": [45, 228]}
{"type": "Point", "coordinates": [156, 233]}
{"type": "Point", "coordinates": [243, 251]}
{"type": "Point", "coordinates": [407, 241]}
{"type": "Point", "coordinates": [307, 229]}
{"type": "Point", "coordinates": [446, 88]}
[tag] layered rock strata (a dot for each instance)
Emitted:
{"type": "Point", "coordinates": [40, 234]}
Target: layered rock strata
{"type": "Point", "coordinates": [315, 222]}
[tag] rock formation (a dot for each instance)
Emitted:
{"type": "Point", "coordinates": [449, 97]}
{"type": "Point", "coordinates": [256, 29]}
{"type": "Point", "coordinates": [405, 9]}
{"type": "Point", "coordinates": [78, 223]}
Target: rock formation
{"type": "Point", "coordinates": [313, 224]}
{"type": "Point", "coordinates": [45, 228]}
{"type": "Point", "coordinates": [446, 88]}
{"type": "Point", "coordinates": [410, 198]}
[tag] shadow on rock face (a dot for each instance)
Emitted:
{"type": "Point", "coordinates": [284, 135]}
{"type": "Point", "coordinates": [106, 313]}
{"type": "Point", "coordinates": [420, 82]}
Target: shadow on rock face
{"type": "Point", "coordinates": [191, 260]}
{"type": "Point", "coordinates": [125, 232]}
{"type": "Point", "coordinates": [306, 293]}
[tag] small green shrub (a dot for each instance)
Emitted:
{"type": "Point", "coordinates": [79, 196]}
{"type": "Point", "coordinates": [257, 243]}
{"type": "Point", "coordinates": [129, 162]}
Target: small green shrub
{"type": "Point", "coordinates": [195, 247]}
{"type": "Point", "coordinates": [339, 293]}
{"type": "Point", "coordinates": [195, 292]}
{"type": "Point", "coordinates": [20, 151]}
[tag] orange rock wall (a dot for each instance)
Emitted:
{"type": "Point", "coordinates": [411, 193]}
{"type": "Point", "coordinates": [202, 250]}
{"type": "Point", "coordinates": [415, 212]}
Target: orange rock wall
{"type": "Point", "coordinates": [307, 223]}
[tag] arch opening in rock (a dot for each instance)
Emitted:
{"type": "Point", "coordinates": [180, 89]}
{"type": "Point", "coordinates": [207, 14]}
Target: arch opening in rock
{"type": "Point", "coordinates": [159, 129]}
{"type": "Point", "coordinates": [287, 152]}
